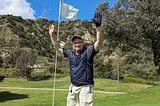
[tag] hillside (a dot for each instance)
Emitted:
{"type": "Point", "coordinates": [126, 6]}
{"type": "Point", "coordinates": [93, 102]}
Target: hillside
{"type": "Point", "coordinates": [17, 35]}
{"type": "Point", "coordinates": [16, 32]}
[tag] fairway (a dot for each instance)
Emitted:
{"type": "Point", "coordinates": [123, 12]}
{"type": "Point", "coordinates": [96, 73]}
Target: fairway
{"type": "Point", "coordinates": [136, 94]}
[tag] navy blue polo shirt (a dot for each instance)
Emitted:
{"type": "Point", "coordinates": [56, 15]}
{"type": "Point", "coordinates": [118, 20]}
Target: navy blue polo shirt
{"type": "Point", "coordinates": [81, 65]}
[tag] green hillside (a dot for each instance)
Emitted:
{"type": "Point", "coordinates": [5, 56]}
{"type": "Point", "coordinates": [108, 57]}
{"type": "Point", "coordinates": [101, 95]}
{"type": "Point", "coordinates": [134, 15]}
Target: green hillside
{"type": "Point", "coordinates": [26, 43]}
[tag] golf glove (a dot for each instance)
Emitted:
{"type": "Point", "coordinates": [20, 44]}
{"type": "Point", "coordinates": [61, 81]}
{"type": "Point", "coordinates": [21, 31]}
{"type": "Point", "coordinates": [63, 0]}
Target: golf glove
{"type": "Point", "coordinates": [97, 19]}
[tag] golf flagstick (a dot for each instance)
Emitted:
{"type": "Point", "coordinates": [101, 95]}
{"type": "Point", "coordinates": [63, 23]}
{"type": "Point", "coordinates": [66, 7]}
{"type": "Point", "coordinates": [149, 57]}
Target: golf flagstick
{"type": "Point", "coordinates": [54, 85]}
{"type": "Point", "coordinates": [70, 13]}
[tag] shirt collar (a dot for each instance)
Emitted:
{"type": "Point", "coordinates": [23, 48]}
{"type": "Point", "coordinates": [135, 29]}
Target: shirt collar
{"type": "Point", "coordinates": [82, 50]}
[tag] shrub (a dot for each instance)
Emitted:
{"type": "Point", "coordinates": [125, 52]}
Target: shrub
{"type": "Point", "coordinates": [60, 72]}
{"type": "Point", "coordinates": [40, 77]}
{"type": "Point", "coordinates": [63, 70]}
{"type": "Point", "coordinates": [61, 75]}
{"type": "Point", "coordinates": [51, 69]}
{"type": "Point", "coordinates": [2, 78]}
{"type": "Point", "coordinates": [9, 72]}
{"type": "Point", "coordinates": [137, 80]}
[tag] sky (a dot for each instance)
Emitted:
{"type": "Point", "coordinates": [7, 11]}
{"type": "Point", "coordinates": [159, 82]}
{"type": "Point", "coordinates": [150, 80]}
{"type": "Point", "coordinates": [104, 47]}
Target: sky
{"type": "Point", "coordinates": [33, 9]}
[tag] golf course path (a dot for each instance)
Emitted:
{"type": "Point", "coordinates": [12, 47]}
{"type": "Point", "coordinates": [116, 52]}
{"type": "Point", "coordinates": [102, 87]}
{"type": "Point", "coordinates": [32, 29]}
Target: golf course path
{"type": "Point", "coordinates": [50, 89]}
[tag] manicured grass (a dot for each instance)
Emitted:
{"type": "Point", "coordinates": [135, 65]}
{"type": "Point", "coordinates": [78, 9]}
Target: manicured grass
{"type": "Point", "coordinates": [146, 97]}
{"type": "Point", "coordinates": [136, 94]}
{"type": "Point", "coordinates": [63, 83]}
{"type": "Point", "coordinates": [113, 86]}
{"type": "Point", "coordinates": [31, 98]}
{"type": "Point", "coordinates": [60, 83]}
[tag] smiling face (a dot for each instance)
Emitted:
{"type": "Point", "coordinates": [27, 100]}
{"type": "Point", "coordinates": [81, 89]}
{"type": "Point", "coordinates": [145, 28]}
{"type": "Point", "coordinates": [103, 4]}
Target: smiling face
{"type": "Point", "coordinates": [77, 44]}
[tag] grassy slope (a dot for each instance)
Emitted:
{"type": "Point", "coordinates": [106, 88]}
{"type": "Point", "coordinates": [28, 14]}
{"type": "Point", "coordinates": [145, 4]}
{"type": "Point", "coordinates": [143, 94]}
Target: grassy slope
{"type": "Point", "coordinates": [137, 94]}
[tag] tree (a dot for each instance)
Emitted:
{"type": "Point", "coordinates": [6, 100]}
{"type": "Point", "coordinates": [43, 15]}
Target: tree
{"type": "Point", "coordinates": [118, 61]}
{"type": "Point", "coordinates": [1, 61]}
{"type": "Point", "coordinates": [25, 62]}
{"type": "Point", "coordinates": [148, 15]}
{"type": "Point", "coordinates": [134, 24]}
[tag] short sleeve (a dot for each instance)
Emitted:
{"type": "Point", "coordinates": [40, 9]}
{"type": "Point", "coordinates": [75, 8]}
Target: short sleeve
{"type": "Point", "coordinates": [91, 51]}
{"type": "Point", "coordinates": [66, 52]}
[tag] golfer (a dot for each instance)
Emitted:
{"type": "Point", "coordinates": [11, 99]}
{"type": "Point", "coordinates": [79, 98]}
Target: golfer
{"type": "Point", "coordinates": [81, 65]}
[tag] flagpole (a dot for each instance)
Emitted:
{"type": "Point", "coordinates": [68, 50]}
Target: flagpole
{"type": "Point", "coordinates": [54, 87]}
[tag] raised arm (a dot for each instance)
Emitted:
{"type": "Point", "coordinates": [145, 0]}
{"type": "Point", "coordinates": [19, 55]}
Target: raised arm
{"type": "Point", "coordinates": [99, 40]}
{"type": "Point", "coordinates": [53, 37]}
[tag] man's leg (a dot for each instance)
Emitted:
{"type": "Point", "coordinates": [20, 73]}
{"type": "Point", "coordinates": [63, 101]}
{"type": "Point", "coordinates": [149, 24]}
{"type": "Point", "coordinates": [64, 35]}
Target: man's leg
{"type": "Point", "coordinates": [86, 95]}
{"type": "Point", "coordinates": [71, 98]}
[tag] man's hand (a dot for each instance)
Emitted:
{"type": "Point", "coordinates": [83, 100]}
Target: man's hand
{"type": "Point", "coordinates": [51, 30]}
{"type": "Point", "coordinates": [97, 19]}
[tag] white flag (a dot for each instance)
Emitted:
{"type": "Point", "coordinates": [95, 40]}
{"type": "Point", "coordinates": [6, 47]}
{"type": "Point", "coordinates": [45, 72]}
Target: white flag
{"type": "Point", "coordinates": [68, 11]}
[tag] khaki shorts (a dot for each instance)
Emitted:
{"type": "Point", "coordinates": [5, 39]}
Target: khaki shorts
{"type": "Point", "coordinates": [80, 95]}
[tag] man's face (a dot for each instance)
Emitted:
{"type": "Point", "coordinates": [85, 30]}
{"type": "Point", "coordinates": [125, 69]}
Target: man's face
{"type": "Point", "coordinates": [77, 44]}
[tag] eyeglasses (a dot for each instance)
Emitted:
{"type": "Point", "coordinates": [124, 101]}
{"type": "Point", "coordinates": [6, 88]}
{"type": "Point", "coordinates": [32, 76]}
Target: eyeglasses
{"type": "Point", "coordinates": [77, 42]}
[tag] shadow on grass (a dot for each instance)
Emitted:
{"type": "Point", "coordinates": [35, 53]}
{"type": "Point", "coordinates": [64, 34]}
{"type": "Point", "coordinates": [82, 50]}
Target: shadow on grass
{"type": "Point", "coordinates": [6, 95]}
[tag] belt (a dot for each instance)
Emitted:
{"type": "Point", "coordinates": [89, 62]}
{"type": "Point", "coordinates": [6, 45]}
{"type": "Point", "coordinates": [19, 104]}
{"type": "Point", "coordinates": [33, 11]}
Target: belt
{"type": "Point", "coordinates": [77, 85]}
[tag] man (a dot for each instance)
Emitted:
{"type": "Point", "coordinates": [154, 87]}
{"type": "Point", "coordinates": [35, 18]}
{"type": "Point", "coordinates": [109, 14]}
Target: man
{"type": "Point", "coordinates": [81, 65]}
